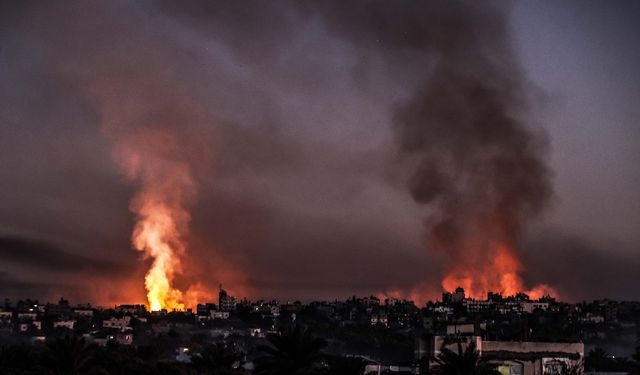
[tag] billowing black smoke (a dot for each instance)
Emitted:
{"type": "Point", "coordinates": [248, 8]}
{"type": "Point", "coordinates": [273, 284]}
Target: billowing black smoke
{"type": "Point", "coordinates": [476, 163]}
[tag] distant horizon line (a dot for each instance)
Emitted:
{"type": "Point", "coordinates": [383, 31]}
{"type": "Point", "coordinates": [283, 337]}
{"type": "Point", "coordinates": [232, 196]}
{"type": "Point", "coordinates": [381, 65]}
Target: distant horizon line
{"type": "Point", "coordinates": [295, 301]}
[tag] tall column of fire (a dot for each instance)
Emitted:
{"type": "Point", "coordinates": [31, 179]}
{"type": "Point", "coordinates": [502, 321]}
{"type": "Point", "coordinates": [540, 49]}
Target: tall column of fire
{"type": "Point", "coordinates": [166, 187]}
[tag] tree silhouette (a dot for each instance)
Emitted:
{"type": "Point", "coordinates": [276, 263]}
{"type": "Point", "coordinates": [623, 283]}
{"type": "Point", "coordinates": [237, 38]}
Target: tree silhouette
{"type": "Point", "coordinates": [576, 368]}
{"type": "Point", "coordinates": [467, 362]}
{"type": "Point", "coordinates": [598, 359]}
{"type": "Point", "coordinates": [218, 359]}
{"type": "Point", "coordinates": [117, 359]}
{"type": "Point", "coordinates": [69, 356]}
{"type": "Point", "coordinates": [295, 351]}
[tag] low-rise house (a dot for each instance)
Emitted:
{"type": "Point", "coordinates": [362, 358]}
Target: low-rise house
{"type": "Point", "coordinates": [27, 315]}
{"type": "Point", "coordinates": [103, 338]}
{"type": "Point", "coordinates": [117, 323]}
{"type": "Point", "coordinates": [6, 316]}
{"type": "Point", "coordinates": [131, 309]}
{"type": "Point", "coordinates": [86, 313]}
{"type": "Point", "coordinates": [219, 315]}
{"type": "Point", "coordinates": [528, 358]}
{"type": "Point", "coordinates": [379, 319]}
{"type": "Point", "coordinates": [371, 301]}
{"type": "Point", "coordinates": [68, 324]}
{"type": "Point", "coordinates": [266, 309]}
{"type": "Point", "coordinates": [510, 357]}
{"type": "Point", "coordinates": [592, 318]}
{"type": "Point", "coordinates": [124, 338]}
{"type": "Point", "coordinates": [203, 318]}
{"type": "Point", "coordinates": [30, 326]}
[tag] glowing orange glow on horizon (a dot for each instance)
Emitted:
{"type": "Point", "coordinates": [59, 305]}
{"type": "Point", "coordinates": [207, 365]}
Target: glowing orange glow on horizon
{"type": "Point", "coordinates": [498, 272]}
{"type": "Point", "coordinates": [480, 261]}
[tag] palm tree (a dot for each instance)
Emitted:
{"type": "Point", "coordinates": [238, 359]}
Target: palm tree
{"type": "Point", "coordinates": [218, 359]}
{"type": "Point", "coordinates": [295, 351]}
{"type": "Point", "coordinates": [467, 362]}
{"type": "Point", "coordinates": [69, 356]}
{"type": "Point", "coordinates": [575, 368]}
{"type": "Point", "coordinates": [598, 359]}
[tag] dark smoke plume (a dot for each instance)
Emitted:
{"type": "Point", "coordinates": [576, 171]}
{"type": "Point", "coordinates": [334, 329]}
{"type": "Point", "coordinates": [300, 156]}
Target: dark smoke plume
{"type": "Point", "coordinates": [477, 165]}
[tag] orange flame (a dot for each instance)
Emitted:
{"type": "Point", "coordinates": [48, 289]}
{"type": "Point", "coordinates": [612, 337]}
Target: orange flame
{"type": "Point", "coordinates": [498, 270]}
{"type": "Point", "coordinates": [157, 236]}
{"type": "Point", "coordinates": [160, 140]}
{"type": "Point", "coordinates": [162, 223]}
{"type": "Point", "coordinates": [418, 294]}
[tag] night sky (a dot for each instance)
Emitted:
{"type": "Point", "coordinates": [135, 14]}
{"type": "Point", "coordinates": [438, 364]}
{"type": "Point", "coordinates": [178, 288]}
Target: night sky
{"type": "Point", "coordinates": [293, 120]}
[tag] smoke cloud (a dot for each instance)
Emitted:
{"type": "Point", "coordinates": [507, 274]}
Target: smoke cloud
{"type": "Point", "coordinates": [281, 145]}
{"type": "Point", "coordinates": [477, 164]}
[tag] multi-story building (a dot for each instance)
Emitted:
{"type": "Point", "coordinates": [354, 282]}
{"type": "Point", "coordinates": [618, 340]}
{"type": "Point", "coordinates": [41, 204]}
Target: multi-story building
{"type": "Point", "coordinates": [476, 306]}
{"type": "Point", "coordinates": [458, 296]}
{"type": "Point", "coordinates": [531, 306]}
{"type": "Point", "coordinates": [205, 308]}
{"type": "Point", "coordinates": [225, 301]}
{"type": "Point", "coordinates": [61, 308]}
